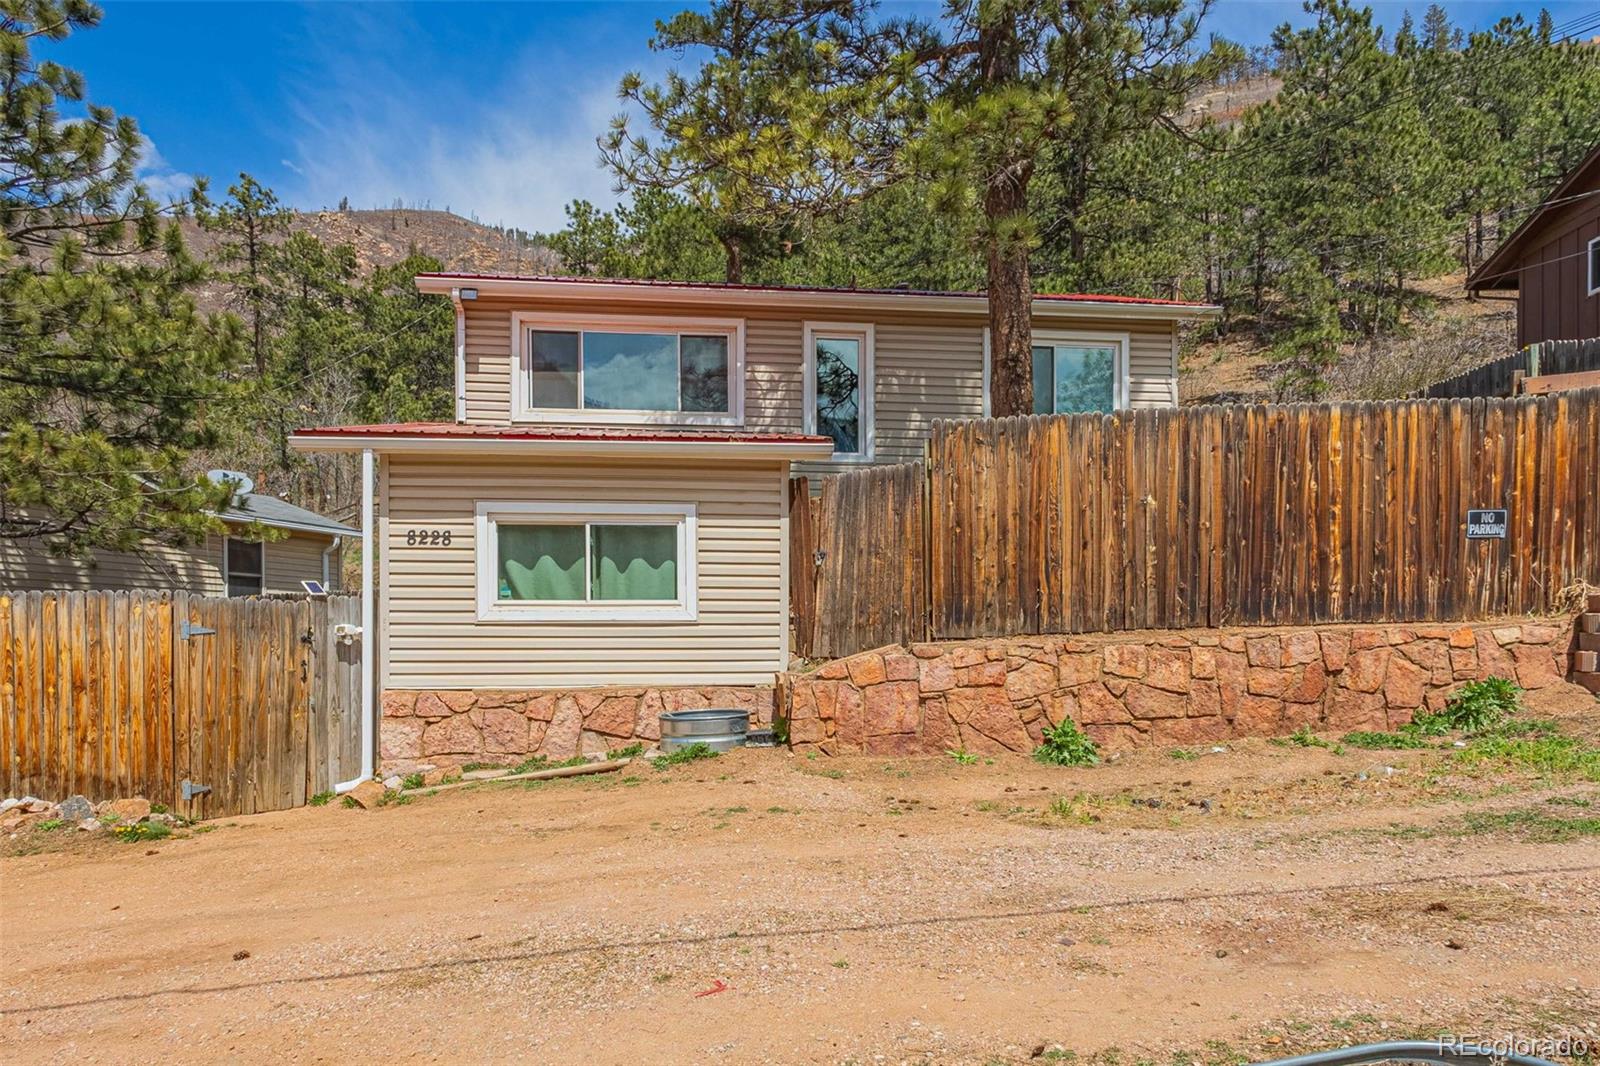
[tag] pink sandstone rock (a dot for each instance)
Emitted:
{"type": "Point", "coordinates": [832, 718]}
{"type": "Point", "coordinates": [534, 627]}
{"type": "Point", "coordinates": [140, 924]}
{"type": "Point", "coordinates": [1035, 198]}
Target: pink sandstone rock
{"type": "Point", "coordinates": [1464, 637]}
{"type": "Point", "coordinates": [893, 745]}
{"type": "Point", "coordinates": [1232, 670]}
{"type": "Point", "coordinates": [451, 736]}
{"type": "Point", "coordinates": [459, 702]}
{"type": "Point", "coordinates": [1168, 669]}
{"type": "Point", "coordinates": [561, 736]}
{"type": "Point", "coordinates": [400, 738]}
{"type": "Point", "coordinates": [866, 669]}
{"type": "Point", "coordinates": [835, 670]}
{"type": "Point", "coordinates": [1494, 660]}
{"type": "Point", "coordinates": [1096, 704]}
{"type": "Point", "coordinates": [647, 723]}
{"type": "Point", "coordinates": [892, 707]}
{"type": "Point", "coordinates": [1539, 634]}
{"type": "Point", "coordinates": [1207, 730]}
{"type": "Point", "coordinates": [1078, 667]}
{"type": "Point", "coordinates": [1127, 660]}
{"type": "Point", "coordinates": [985, 673]}
{"type": "Point", "coordinates": [613, 716]}
{"type": "Point", "coordinates": [900, 667]}
{"type": "Point", "coordinates": [429, 705]}
{"type": "Point", "coordinates": [1298, 715]}
{"type": "Point", "coordinates": [1507, 635]}
{"type": "Point", "coordinates": [1366, 639]}
{"type": "Point", "coordinates": [1114, 738]}
{"type": "Point", "coordinates": [1203, 662]}
{"type": "Point", "coordinates": [488, 699]}
{"type": "Point", "coordinates": [505, 730]}
{"type": "Point", "coordinates": [1232, 642]}
{"type": "Point", "coordinates": [1257, 716]}
{"type": "Point", "coordinates": [1030, 680]}
{"type": "Point", "coordinates": [999, 723]}
{"type": "Point", "coordinates": [1365, 669]}
{"type": "Point", "coordinates": [1301, 648]}
{"type": "Point", "coordinates": [1264, 651]}
{"type": "Point", "coordinates": [1537, 666]}
{"type": "Point", "coordinates": [1463, 663]}
{"type": "Point", "coordinates": [1205, 699]}
{"type": "Point", "coordinates": [827, 697]}
{"type": "Point", "coordinates": [938, 732]}
{"type": "Point", "coordinates": [963, 655]}
{"type": "Point", "coordinates": [1266, 681]}
{"type": "Point", "coordinates": [1405, 684]}
{"type": "Point", "coordinates": [399, 704]}
{"type": "Point", "coordinates": [927, 651]}
{"type": "Point", "coordinates": [848, 723]}
{"type": "Point", "coordinates": [1351, 709]}
{"type": "Point", "coordinates": [1402, 635]}
{"type": "Point", "coordinates": [592, 743]}
{"type": "Point", "coordinates": [1145, 702]}
{"type": "Point", "coordinates": [1335, 650]}
{"type": "Point", "coordinates": [936, 675]}
{"type": "Point", "coordinates": [1433, 656]}
{"type": "Point", "coordinates": [807, 731]}
{"type": "Point", "coordinates": [541, 708]}
{"type": "Point", "coordinates": [1309, 686]}
{"type": "Point", "coordinates": [536, 732]}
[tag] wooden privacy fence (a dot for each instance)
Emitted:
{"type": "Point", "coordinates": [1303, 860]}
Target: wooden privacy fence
{"type": "Point", "coordinates": [1212, 516]}
{"type": "Point", "coordinates": [110, 694]}
{"type": "Point", "coordinates": [1498, 378]}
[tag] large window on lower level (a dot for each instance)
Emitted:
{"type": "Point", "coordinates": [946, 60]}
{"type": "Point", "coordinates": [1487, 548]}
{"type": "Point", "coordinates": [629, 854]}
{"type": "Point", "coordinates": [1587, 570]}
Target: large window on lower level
{"type": "Point", "coordinates": [629, 369]}
{"type": "Point", "coordinates": [597, 562]}
{"type": "Point", "coordinates": [1079, 373]}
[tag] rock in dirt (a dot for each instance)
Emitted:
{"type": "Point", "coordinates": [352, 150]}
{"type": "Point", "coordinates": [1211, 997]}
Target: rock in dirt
{"type": "Point", "coordinates": [436, 776]}
{"type": "Point", "coordinates": [393, 782]}
{"type": "Point", "coordinates": [75, 809]}
{"type": "Point", "coordinates": [367, 795]}
{"type": "Point", "coordinates": [89, 825]}
{"type": "Point", "coordinates": [240, 956]}
{"type": "Point", "coordinates": [135, 809]}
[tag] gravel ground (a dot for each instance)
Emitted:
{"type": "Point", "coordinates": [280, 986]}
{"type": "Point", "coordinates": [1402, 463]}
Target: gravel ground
{"type": "Point", "coordinates": [1246, 903]}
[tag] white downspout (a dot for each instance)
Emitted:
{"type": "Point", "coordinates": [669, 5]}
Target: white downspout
{"type": "Point", "coordinates": [369, 644]}
{"type": "Point", "coordinates": [327, 571]}
{"type": "Point", "coordinates": [461, 355]}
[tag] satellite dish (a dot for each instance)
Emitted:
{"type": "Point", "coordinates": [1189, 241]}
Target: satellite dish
{"type": "Point", "coordinates": [241, 482]}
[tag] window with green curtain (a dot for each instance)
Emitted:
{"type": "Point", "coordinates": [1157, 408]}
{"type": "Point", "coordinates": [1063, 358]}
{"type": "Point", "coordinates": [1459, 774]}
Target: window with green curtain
{"type": "Point", "coordinates": [634, 562]}
{"type": "Point", "coordinates": [540, 562]}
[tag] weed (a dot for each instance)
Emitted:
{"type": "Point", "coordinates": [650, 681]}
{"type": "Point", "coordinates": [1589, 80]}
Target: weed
{"type": "Point", "coordinates": [840, 964]}
{"type": "Point", "coordinates": [321, 799]}
{"type": "Point", "coordinates": [1478, 705]}
{"type": "Point", "coordinates": [1072, 810]}
{"type": "Point", "coordinates": [661, 978]}
{"type": "Point", "coordinates": [465, 767]}
{"type": "Point", "coordinates": [781, 810]}
{"type": "Point", "coordinates": [1534, 825]}
{"type": "Point", "coordinates": [1555, 755]}
{"type": "Point", "coordinates": [159, 808]}
{"type": "Point", "coordinates": [780, 732]}
{"type": "Point", "coordinates": [831, 775]}
{"type": "Point", "coordinates": [50, 825]}
{"type": "Point", "coordinates": [632, 751]}
{"type": "Point", "coordinates": [349, 804]}
{"type": "Point", "coordinates": [1380, 741]}
{"type": "Point", "coordinates": [1301, 738]}
{"type": "Point", "coordinates": [138, 831]}
{"type": "Point", "coordinates": [1066, 745]}
{"type": "Point", "coordinates": [679, 756]}
{"type": "Point", "coordinates": [542, 762]}
{"type": "Point", "coordinates": [413, 780]}
{"type": "Point", "coordinates": [962, 756]}
{"type": "Point", "coordinates": [1183, 754]}
{"type": "Point", "coordinates": [199, 829]}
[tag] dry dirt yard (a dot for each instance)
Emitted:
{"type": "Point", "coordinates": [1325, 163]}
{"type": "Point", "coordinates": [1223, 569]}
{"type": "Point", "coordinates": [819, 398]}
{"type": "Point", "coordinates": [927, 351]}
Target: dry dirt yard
{"type": "Point", "coordinates": [1188, 908]}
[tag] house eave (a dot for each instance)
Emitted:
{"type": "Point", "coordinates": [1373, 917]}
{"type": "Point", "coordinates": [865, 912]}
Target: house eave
{"type": "Point", "coordinates": [570, 449]}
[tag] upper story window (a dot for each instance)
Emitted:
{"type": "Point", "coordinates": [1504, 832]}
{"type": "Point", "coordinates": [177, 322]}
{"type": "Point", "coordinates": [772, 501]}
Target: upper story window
{"type": "Point", "coordinates": [629, 369]}
{"type": "Point", "coordinates": [838, 386]}
{"type": "Point", "coordinates": [1594, 266]}
{"type": "Point", "coordinates": [1074, 373]}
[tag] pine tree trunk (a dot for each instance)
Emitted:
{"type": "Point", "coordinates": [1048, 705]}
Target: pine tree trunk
{"type": "Point", "coordinates": [1010, 298]}
{"type": "Point", "coordinates": [735, 253]}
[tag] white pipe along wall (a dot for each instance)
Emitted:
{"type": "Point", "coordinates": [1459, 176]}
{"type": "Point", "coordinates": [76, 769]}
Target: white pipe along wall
{"type": "Point", "coordinates": [368, 644]}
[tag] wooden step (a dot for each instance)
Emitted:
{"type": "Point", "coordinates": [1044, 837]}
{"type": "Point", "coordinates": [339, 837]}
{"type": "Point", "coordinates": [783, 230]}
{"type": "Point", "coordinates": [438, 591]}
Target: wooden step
{"type": "Point", "coordinates": [1585, 662]}
{"type": "Point", "coordinates": [1589, 641]}
{"type": "Point", "coordinates": [1589, 622]}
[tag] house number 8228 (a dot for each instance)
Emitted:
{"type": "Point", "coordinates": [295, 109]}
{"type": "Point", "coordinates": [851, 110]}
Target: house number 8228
{"type": "Point", "coordinates": [428, 537]}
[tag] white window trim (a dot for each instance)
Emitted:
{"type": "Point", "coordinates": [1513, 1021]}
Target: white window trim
{"type": "Point", "coordinates": [226, 586]}
{"type": "Point", "coordinates": [1594, 275]}
{"type": "Point", "coordinates": [521, 378]}
{"type": "Point", "coordinates": [1123, 341]}
{"type": "Point", "coordinates": [867, 335]}
{"type": "Point", "coordinates": [492, 609]}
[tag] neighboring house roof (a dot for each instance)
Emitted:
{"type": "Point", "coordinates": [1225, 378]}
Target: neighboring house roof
{"type": "Point", "coordinates": [558, 439]}
{"type": "Point", "coordinates": [1499, 271]}
{"type": "Point", "coordinates": [778, 295]}
{"type": "Point", "coordinates": [271, 511]}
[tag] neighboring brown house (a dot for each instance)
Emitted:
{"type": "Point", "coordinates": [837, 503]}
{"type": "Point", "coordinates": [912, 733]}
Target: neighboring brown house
{"type": "Point", "coordinates": [1553, 261]}
{"type": "Point", "coordinates": [309, 549]}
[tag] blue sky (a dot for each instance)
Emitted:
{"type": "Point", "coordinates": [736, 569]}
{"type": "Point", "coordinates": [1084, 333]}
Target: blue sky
{"type": "Point", "coordinates": [490, 110]}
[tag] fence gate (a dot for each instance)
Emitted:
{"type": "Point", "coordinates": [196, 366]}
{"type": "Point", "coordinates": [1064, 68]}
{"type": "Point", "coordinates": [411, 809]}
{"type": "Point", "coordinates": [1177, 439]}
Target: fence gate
{"type": "Point", "coordinates": [211, 706]}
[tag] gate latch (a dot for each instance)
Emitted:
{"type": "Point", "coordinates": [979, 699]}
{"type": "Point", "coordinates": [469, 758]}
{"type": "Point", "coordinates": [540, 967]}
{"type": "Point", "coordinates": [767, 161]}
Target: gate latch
{"type": "Point", "coordinates": [188, 630]}
{"type": "Point", "coordinates": [191, 790]}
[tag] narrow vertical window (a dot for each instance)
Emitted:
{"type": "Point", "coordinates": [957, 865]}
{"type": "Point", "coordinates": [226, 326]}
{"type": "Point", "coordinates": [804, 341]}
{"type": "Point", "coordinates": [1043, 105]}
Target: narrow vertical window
{"type": "Point", "coordinates": [839, 387]}
{"type": "Point", "coordinates": [1594, 266]}
{"type": "Point", "coordinates": [244, 564]}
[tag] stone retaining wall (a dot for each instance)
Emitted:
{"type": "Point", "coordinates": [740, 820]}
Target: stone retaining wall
{"type": "Point", "coordinates": [451, 727]}
{"type": "Point", "coordinates": [1171, 688]}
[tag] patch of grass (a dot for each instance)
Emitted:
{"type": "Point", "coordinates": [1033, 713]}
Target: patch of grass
{"type": "Point", "coordinates": [49, 825]}
{"type": "Point", "coordinates": [831, 775]}
{"type": "Point", "coordinates": [1301, 738]}
{"type": "Point", "coordinates": [681, 756]}
{"type": "Point", "coordinates": [632, 751]}
{"type": "Point", "coordinates": [160, 808]}
{"type": "Point", "coordinates": [138, 831]}
{"type": "Point", "coordinates": [962, 756]}
{"type": "Point", "coordinates": [348, 804]}
{"type": "Point", "coordinates": [540, 762]}
{"type": "Point", "coordinates": [321, 799]}
{"type": "Point", "coordinates": [412, 780]}
{"type": "Point", "coordinates": [1183, 754]}
{"type": "Point", "coordinates": [1066, 745]}
{"type": "Point", "coordinates": [1550, 755]}
{"type": "Point", "coordinates": [1371, 741]}
{"type": "Point", "coordinates": [840, 964]}
{"type": "Point", "coordinates": [484, 766]}
{"type": "Point", "coordinates": [1072, 809]}
{"type": "Point", "coordinates": [1532, 824]}
{"type": "Point", "coordinates": [1479, 705]}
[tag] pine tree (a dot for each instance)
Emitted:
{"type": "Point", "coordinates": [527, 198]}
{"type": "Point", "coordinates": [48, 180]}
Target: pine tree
{"type": "Point", "coordinates": [109, 377]}
{"type": "Point", "coordinates": [249, 221]}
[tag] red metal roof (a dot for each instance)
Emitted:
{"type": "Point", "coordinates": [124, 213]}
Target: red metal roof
{"type": "Point", "coordinates": [459, 431]}
{"type": "Point", "coordinates": [728, 286]}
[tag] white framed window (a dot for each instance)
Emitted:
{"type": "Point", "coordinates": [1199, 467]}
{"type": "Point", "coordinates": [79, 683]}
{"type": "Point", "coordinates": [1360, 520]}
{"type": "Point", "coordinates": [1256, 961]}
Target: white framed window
{"type": "Point", "coordinates": [838, 386]}
{"type": "Point", "coordinates": [1076, 372]}
{"type": "Point", "coordinates": [244, 566]}
{"type": "Point", "coordinates": [1594, 266]}
{"type": "Point", "coordinates": [597, 562]}
{"type": "Point", "coordinates": [620, 369]}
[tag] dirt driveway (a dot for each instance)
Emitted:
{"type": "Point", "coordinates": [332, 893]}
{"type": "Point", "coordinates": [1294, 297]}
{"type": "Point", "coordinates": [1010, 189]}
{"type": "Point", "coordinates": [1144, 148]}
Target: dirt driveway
{"type": "Point", "coordinates": [1187, 908]}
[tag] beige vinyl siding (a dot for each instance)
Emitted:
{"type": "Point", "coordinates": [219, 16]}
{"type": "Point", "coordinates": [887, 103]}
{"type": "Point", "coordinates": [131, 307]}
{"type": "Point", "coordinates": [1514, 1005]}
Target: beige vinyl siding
{"type": "Point", "coordinates": [432, 635]}
{"type": "Point", "coordinates": [27, 566]}
{"type": "Point", "coordinates": [927, 366]}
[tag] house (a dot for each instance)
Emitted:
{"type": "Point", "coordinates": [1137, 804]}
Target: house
{"type": "Point", "coordinates": [309, 548]}
{"type": "Point", "coordinates": [602, 532]}
{"type": "Point", "coordinates": [1552, 260]}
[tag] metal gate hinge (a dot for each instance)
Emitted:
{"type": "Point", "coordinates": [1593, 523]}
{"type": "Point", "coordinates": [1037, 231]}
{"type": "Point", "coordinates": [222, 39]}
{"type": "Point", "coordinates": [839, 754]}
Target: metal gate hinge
{"type": "Point", "coordinates": [191, 790]}
{"type": "Point", "coordinates": [189, 630]}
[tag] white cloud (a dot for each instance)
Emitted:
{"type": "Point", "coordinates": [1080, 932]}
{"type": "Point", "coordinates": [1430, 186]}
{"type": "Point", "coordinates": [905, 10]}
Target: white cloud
{"type": "Point", "coordinates": [166, 184]}
{"type": "Point", "coordinates": [514, 152]}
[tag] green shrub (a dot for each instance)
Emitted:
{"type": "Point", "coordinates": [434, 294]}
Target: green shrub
{"type": "Point", "coordinates": [412, 780]}
{"type": "Point", "coordinates": [632, 751]}
{"type": "Point", "coordinates": [321, 799]}
{"type": "Point", "coordinates": [961, 756]}
{"type": "Point", "coordinates": [1066, 745]}
{"type": "Point", "coordinates": [138, 831]}
{"type": "Point", "coordinates": [50, 825]}
{"type": "Point", "coordinates": [1476, 707]}
{"type": "Point", "coordinates": [1301, 738]}
{"type": "Point", "coordinates": [1402, 740]}
{"type": "Point", "coordinates": [680, 756]}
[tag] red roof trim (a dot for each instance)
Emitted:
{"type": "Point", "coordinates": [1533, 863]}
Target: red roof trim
{"type": "Point", "coordinates": [455, 431]}
{"type": "Point", "coordinates": [727, 286]}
